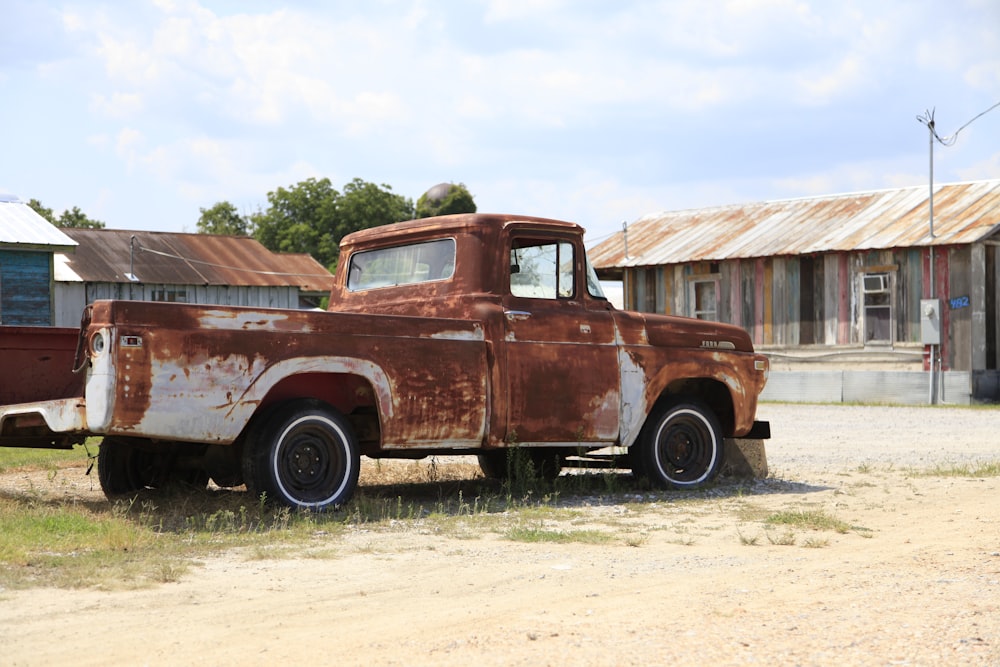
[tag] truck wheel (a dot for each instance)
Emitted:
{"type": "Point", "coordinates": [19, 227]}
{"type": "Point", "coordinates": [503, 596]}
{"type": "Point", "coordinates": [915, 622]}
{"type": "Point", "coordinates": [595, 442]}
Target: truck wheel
{"type": "Point", "coordinates": [123, 468]}
{"type": "Point", "coordinates": [682, 449]}
{"type": "Point", "coordinates": [126, 466]}
{"type": "Point", "coordinates": [304, 455]}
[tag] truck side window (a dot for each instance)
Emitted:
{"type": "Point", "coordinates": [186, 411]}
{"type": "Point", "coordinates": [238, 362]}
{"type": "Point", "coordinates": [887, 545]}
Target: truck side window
{"type": "Point", "coordinates": [542, 269]}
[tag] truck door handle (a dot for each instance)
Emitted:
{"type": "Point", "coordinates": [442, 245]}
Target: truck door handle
{"type": "Point", "coordinates": [517, 315]}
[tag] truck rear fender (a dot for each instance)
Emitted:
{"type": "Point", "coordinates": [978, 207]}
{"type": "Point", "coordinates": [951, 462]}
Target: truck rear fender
{"type": "Point", "coordinates": [212, 415]}
{"type": "Point", "coordinates": [354, 396]}
{"type": "Point", "coordinates": [345, 383]}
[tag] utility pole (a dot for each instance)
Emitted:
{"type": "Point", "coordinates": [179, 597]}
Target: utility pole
{"type": "Point", "coordinates": [928, 120]}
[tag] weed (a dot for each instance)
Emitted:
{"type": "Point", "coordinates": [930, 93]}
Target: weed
{"type": "Point", "coordinates": [974, 471]}
{"type": "Point", "coordinates": [636, 540]}
{"type": "Point", "coordinates": [786, 539]}
{"type": "Point", "coordinates": [747, 540]}
{"type": "Point", "coordinates": [537, 533]}
{"type": "Point", "coordinates": [807, 520]}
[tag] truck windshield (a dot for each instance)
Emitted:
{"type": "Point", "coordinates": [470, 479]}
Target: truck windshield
{"type": "Point", "coordinates": [402, 265]}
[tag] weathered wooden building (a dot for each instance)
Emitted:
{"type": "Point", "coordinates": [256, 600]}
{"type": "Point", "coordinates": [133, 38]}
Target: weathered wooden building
{"type": "Point", "coordinates": [28, 243]}
{"type": "Point", "coordinates": [185, 268]}
{"type": "Point", "coordinates": [834, 289]}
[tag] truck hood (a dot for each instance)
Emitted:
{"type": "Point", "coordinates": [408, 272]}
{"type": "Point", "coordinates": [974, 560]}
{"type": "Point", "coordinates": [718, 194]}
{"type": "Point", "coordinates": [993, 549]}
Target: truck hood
{"type": "Point", "coordinates": [675, 331]}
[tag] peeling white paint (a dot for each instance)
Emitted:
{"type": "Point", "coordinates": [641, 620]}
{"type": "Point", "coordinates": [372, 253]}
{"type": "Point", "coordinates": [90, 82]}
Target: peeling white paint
{"type": "Point", "coordinates": [633, 408]}
{"type": "Point", "coordinates": [252, 319]}
{"type": "Point", "coordinates": [200, 405]}
{"type": "Point", "coordinates": [100, 388]}
{"type": "Point", "coordinates": [64, 415]}
{"type": "Point", "coordinates": [475, 335]}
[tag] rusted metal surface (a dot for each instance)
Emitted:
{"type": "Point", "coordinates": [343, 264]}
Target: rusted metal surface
{"type": "Point", "coordinates": [450, 361]}
{"type": "Point", "coordinates": [963, 213]}
{"type": "Point", "coordinates": [56, 424]}
{"type": "Point", "coordinates": [36, 364]}
{"type": "Point", "coordinates": [213, 368]}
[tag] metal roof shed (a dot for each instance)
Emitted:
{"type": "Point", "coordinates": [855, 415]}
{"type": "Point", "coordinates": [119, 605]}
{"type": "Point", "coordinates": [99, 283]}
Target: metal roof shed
{"type": "Point", "coordinates": [836, 282]}
{"type": "Point", "coordinates": [27, 244]}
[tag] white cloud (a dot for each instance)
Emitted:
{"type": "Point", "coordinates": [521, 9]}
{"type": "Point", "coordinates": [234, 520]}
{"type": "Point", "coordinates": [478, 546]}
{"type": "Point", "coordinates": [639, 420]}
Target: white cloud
{"type": "Point", "coordinates": [982, 169]}
{"type": "Point", "coordinates": [128, 143]}
{"type": "Point", "coordinates": [601, 111]}
{"type": "Point", "coordinates": [117, 104]}
{"type": "Point", "coordinates": [510, 10]}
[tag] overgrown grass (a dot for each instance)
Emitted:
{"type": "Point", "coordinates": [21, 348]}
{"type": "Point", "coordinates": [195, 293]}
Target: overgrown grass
{"type": "Point", "coordinates": [538, 533]}
{"type": "Point", "coordinates": [13, 458]}
{"type": "Point", "coordinates": [780, 527]}
{"type": "Point", "coordinates": [978, 470]}
{"type": "Point", "coordinates": [130, 544]}
{"type": "Point", "coordinates": [49, 537]}
{"type": "Point", "coordinates": [807, 520]}
{"type": "Point", "coordinates": [57, 539]}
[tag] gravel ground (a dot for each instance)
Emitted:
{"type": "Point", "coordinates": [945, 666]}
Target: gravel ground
{"type": "Point", "coordinates": [912, 577]}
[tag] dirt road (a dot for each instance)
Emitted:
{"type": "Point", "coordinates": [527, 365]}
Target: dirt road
{"type": "Point", "coordinates": [911, 577]}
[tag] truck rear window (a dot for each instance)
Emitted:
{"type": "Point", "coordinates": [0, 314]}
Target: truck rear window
{"type": "Point", "coordinates": [402, 265]}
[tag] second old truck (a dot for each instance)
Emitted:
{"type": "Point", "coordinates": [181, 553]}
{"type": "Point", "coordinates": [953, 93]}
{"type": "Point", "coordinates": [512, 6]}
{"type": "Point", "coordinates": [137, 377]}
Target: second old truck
{"type": "Point", "coordinates": [468, 334]}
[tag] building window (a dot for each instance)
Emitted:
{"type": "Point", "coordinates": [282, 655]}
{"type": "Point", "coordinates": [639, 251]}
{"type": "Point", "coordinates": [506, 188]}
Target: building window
{"type": "Point", "coordinates": [170, 294]}
{"type": "Point", "coordinates": [704, 299]}
{"type": "Point", "coordinates": [649, 290]}
{"type": "Point", "coordinates": [876, 290]}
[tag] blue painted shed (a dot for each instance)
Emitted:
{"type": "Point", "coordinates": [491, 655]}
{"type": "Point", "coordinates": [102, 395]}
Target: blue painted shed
{"type": "Point", "coordinates": [27, 245]}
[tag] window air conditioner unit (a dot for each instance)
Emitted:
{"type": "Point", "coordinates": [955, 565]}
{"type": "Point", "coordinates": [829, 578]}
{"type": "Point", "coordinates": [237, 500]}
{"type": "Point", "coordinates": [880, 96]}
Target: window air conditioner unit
{"type": "Point", "coordinates": [876, 283]}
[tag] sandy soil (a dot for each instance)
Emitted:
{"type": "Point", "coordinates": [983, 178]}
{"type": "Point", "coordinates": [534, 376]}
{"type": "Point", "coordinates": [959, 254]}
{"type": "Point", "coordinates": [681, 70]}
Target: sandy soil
{"type": "Point", "coordinates": [915, 581]}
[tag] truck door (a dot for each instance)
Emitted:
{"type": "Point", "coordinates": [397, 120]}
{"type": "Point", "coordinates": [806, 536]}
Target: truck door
{"type": "Point", "coordinates": [560, 349]}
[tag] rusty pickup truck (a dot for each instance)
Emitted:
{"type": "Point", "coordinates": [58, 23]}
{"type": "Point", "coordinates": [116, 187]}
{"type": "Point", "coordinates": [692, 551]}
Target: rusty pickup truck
{"type": "Point", "coordinates": [467, 334]}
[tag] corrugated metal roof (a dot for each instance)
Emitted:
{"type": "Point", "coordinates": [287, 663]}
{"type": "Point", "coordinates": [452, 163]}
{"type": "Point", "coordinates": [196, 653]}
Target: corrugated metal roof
{"type": "Point", "coordinates": [21, 226]}
{"type": "Point", "coordinates": [963, 213]}
{"type": "Point", "coordinates": [103, 256]}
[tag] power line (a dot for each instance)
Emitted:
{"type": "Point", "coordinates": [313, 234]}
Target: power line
{"type": "Point", "coordinates": [928, 120]}
{"type": "Point", "coordinates": [231, 268]}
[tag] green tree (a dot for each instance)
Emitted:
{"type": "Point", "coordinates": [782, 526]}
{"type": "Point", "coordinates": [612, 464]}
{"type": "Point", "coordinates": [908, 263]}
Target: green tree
{"type": "Point", "coordinates": [224, 219]}
{"type": "Point", "coordinates": [364, 205]}
{"type": "Point", "coordinates": [42, 210]}
{"type": "Point", "coordinates": [300, 219]}
{"type": "Point", "coordinates": [457, 199]}
{"type": "Point", "coordinates": [312, 217]}
{"type": "Point", "coordinates": [74, 217]}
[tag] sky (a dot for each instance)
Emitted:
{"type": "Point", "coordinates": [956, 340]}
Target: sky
{"type": "Point", "coordinates": [144, 112]}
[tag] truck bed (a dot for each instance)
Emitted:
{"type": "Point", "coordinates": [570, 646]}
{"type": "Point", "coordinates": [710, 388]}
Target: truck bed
{"type": "Point", "coordinates": [36, 364]}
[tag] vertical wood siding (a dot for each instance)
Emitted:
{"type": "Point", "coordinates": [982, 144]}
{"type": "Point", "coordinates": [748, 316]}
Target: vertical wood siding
{"type": "Point", "coordinates": [960, 331]}
{"type": "Point", "coordinates": [977, 314]}
{"type": "Point", "coordinates": [817, 299]}
{"type": "Point", "coordinates": [25, 288]}
{"type": "Point", "coordinates": [735, 307]}
{"type": "Point", "coordinates": [831, 299]}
